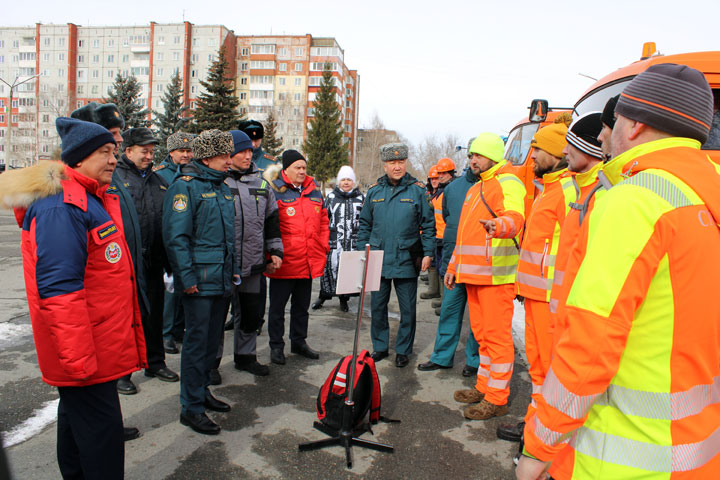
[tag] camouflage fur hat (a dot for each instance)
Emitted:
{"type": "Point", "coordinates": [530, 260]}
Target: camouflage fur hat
{"type": "Point", "coordinates": [212, 143]}
{"type": "Point", "coordinates": [393, 151]}
{"type": "Point", "coordinates": [180, 140]}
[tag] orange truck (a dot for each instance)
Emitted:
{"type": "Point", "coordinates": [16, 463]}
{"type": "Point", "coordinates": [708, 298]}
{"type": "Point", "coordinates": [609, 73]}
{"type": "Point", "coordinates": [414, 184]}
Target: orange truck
{"type": "Point", "coordinates": [517, 147]}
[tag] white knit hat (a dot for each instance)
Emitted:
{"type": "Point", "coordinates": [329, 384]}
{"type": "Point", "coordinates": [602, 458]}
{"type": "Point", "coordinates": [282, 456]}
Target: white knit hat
{"type": "Point", "coordinates": [346, 171]}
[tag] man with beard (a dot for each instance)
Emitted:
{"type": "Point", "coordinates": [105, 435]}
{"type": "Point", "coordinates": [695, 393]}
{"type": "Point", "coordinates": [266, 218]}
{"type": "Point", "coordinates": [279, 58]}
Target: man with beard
{"type": "Point", "coordinates": [147, 189]}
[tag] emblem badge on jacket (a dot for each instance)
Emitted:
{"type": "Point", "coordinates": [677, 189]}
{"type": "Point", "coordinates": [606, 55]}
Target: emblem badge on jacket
{"type": "Point", "coordinates": [113, 254]}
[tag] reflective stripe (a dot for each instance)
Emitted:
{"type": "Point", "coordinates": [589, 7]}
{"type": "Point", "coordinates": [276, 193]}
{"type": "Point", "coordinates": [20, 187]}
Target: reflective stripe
{"type": "Point", "coordinates": [558, 277]}
{"type": "Point", "coordinates": [547, 436]}
{"type": "Point", "coordinates": [660, 186]}
{"type": "Point", "coordinates": [504, 270]}
{"type": "Point", "coordinates": [560, 398]}
{"type": "Point", "coordinates": [534, 281]}
{"type": "Point", "coordinates": [499, 384]}
{"type": "Point", "coordinates": [483, 372]}
{"type": "Point", "coordinates": [495, 270]}
{"type": "Point", "coordinates": [340, 384]}
{"type": "Point", "coordinates": [501, 367]}
{"type": "Point", "coordinates": [554, 302]}
{"type": "Point", "coordinates": [693, 401]}
{"type": "Point", "coordinates": [505, 251]}
{"type": "Point", "coordinates": [533, 403]}
{"type": "Point", "coordinates": [647, 456]}
{"type": "Point", "coordinates": [662, 405]}
{"type": "Point", "coordinates": [508, 178]}
{"type": "Point", "coordinates": [536, 258]}
{"type": "Point", "coordinates": [536, 388]}
{"type": "Point", "coordinates": [438, 212]}
{"type": "Point", "coordinates": [485, 360]}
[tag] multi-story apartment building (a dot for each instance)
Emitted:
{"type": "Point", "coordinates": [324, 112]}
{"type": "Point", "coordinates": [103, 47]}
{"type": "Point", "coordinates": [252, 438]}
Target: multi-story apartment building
{"type": "Point", "coordinates": [282, 74]}
{"type": "Point", "coordinates": [75, 65]}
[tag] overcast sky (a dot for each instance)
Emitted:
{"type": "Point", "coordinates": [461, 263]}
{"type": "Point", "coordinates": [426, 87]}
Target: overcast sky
{"type": "Point", "coordinates": [438, 67]}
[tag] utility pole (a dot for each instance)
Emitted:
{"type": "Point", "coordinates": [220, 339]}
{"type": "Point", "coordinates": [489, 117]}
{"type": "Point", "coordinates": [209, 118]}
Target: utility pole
{"type": "Point", "coordinates": [8, 133]}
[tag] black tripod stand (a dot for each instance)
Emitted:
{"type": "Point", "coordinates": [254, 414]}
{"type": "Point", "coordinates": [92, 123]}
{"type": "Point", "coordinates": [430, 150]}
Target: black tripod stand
{"type": "Point", "coordinates": [346, 437]}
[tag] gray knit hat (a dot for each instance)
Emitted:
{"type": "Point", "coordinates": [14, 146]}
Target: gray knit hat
{"type": "Point", "coordinates": [393, 151]}
{"type": "Point", "coordinates": [212, 143]}
{"type": "Point", "coordinates": [674, 99]}
{"type": "Point", "coordinates": [179, 140]}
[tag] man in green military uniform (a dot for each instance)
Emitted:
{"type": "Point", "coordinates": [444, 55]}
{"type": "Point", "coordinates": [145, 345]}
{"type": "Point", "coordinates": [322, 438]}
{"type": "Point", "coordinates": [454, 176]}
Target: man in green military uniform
{"type": "Point", "coordinates": [397, 217]}
{"type": "Point", "coordinates": [179, 146]}
{"type": "Point", "coordinates": [256, 132]}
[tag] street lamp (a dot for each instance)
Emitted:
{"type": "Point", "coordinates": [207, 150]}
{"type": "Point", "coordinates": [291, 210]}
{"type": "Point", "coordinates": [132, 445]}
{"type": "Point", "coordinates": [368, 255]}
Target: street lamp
{"type": "Point", "coordinates": [8, 134]}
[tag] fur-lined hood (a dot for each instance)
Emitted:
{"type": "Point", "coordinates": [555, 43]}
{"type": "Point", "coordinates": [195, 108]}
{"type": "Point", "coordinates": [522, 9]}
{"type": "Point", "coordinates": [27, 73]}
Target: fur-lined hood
{"type": "Point", "coordinates": [272, 173]}
{"type": "Point", "coordinates": [20, 188]}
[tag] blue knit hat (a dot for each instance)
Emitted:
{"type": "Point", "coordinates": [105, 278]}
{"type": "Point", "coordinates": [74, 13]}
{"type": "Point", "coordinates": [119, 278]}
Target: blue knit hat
{"type": "Point", "coordinates": [80, 139]}
{"type": "Point", "coordinates": [241, 141]}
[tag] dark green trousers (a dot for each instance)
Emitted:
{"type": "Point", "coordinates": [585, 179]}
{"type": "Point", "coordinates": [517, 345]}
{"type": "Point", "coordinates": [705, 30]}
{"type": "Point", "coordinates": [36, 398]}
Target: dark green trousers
{"type": "Point", "coordinates": [406, 291]}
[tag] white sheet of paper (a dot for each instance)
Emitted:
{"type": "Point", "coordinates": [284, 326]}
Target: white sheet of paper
{"type": "Point", "coordinates": [350, 272]}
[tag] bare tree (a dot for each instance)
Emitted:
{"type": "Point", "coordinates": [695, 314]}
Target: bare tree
{"type": "Point", "coordinates": [432, 148]}
{"type": "Point", "coordinates": [368, 166]}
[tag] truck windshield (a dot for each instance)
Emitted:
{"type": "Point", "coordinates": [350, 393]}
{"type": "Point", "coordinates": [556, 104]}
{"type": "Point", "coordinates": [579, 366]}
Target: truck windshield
{"type": "Point", "coordinates": [518, 143]}
{"type": "Point", "coordinates": [595, 101]}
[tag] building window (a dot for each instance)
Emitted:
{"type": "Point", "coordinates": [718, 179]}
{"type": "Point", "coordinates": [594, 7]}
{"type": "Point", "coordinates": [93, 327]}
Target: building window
{"type": "Point", "coordinates": [211, 42]}
{"type": "Point", "coordinates": [96, 74]}
{"type": "Point", "coordinates": [262, 64]}
{"type": "Point", "coordinates": [79, 103]}
{"type": "Point", "coordinates": [46, 118]}
{"type": "Point", "coordinates": [111, 59]}
{"type": "Point", "coordinates": [176, 56]}
{"type": "Point", "coordinates": [111, 43]}
{"type": "Point", "coordinates": [298, 67]}
{"type": "Point", "coordinates": [261, 79]}
{"type": "Point", "coordinates": [282, 96]}
{"type": "Point", "coordinates": [46, 42]}
{"type": "Point", "coordinates": [61, 57]}
{"type": "Point", "coordinates": [45, 149]}
{"type": "Point", "coordinates": [194, 42]}
{"type": "Point", "coordinates": [244, 66]}
{"type": "Point", "coordinates": [243, 95]}
{"type": "Point", "coordinates": [159, 88]}
{"type": "Point", "coordinates": [194, 57]}
{"type": "Point", "coordinates": [193, 73]}
{"type": "Point", "coordinates": [2, 58]}
{"type": "Point", "coordinates": [61, 72]}
{"type": "Point", "coordinates": [45, 133]}
{"type": "Point", "coordinates": [96, 43]}
{"type": "Point", "coordinates": [320, 66]}
{"type": "Point", "coordinates": [192, 104]}
{"type": "Point", "coordinates": [298, 82]}
{"type": "Point", "coordinates": [110, 73]}
{"type": "Point", "coordinates": [81, 43]}
{"type": "Point", "coordinates": [243, 81]}
{"type": "Point", "coordinates": [81, 59]}
{"type": "Point", "coordinates": [244, 52]}
{"type": "Point", "coordinates": [94, 90]}
{"type": "Point", "coordinates": [284, 51]}
{"type": "Point", "coordinates": [193, 88]}
{"type": "Point", "coordinates": [211, 58]}
{"type": "Point", "coordinates": [282, 67]}
{"type": "Point", "coordinates": [159, 71]}
{"type": "Point", "coordinates": [46, 57]}
{"type": "Point", "coordinates": [136, 71]}
{"type": "Point", "coordinates": [282, 81]}
{"type": "Point", "coordinates": [96, 59]}
{"type": "Point", "coordinates": [80, 89]}
{"type": "Point", "coordinates": [161, 40]}
{"type": "Point", "coordinates": [61, 42]}
{"type": "Point", "coordinates": [299, 52]}
{"type": "Point", "coordinates": [125, 58]}
{"type": "Point", "coordinates": [243, 111]}
{"type": "Point", "coordinates": [176, 39]}
{"type": "Point", "coordinates": [160, 56]}
{"type": "Point", "coordinates": [297, 97]}
{"type": "Point", "coordinates": [296, 111]}
{"type": "Point", "coordinates": [81, 74]}
{"type": "Point", "coordinates": [263, 49]}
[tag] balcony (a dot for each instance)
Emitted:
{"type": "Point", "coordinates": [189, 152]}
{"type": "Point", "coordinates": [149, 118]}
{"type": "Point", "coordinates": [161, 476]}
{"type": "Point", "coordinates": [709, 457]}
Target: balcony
{"type": "Point", "coordinates": [140, 48]}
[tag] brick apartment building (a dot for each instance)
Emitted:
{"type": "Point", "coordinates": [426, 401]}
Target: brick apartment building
{"type": "Point", "coordinates": [77, 64]}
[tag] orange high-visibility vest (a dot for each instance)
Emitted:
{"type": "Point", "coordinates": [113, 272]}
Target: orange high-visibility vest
{"type": "Point", "coordinates": [439, 221]}
{"type": "Point", "coordinates": [536, 267]}
{"type": "Point", "coordinates": [479, 260]}
{"type": "Point", "coordinates": [633, 389]}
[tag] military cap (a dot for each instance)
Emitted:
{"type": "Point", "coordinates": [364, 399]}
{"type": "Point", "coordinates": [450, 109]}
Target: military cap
{"type": "Point", "coordinates": [138, 136]}
{"type": "Point", "coordinates": [180, 140]}
{"type": "Point", "coordinates": [106, 115]}
{"type": "Point", "coordinates": [253, 129]}
{"type": "Point", "coordinates": [212, 143]}
{"type": "Point", "coordinates": [393, 151]}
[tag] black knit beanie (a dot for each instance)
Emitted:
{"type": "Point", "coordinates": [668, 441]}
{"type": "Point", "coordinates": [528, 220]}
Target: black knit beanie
{"type": "Point", "coordinates": [583, 134]}
{"type": "Point", "coordinates": [608, 114]}
{"type": "Point", "coordinates": [289, 157]}
{"type": "Point", "coordinates": [674, 99]}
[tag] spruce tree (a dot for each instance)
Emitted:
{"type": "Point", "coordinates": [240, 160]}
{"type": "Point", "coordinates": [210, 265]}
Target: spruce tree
{"type": "Point", "coordinates": [217, 105]}
{"type": "Point", "coordinates": [124, 93]}
{"type": "Point", "coordinates": [172, 119]}
{"type": "Point", "coordinates": [271, 143]}
{"type": "Point", "coordinates": [324, 146]}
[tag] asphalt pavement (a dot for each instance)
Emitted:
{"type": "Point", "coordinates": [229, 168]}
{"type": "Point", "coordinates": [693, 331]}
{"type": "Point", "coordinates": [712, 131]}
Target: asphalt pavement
{"type": "Point", "coordinates": [271, 415]}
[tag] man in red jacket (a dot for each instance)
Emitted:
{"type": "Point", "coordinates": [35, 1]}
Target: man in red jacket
{"type": "Point", "coordinates": [306, 242]}
{"type": "Point", "coordinates": [81, 292]}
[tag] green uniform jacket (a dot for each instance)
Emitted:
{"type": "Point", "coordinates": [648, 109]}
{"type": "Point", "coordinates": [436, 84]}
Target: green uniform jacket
{"type": "Point", "coordinates": [263, 160]}
{"type": "Point", "coordinates": [392, 219]}
{"type": "Point", "coordinates": [199, 230]}
{"type": "Point", "coordinates": [167, 170]}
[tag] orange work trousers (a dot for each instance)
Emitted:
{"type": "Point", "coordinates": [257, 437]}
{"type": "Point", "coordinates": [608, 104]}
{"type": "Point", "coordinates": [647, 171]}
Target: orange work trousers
{"type": "Point", "coordinates": [538, 347]}
{"type": "Point", "coordinates": [491, 312]}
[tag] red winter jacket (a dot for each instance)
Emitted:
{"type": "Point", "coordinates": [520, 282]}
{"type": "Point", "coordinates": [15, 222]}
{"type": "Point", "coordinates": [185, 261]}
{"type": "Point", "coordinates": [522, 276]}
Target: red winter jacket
{"type": "Point", "coordinates": [78, 276]}
{"type": "Point", "coordinates": [303, 226]}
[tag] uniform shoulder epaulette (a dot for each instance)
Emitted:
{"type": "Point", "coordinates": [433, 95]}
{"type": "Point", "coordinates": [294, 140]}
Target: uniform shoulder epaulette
{"type": "Point", "coordinates": [187, 178]}
{"type": "Point", "coordinates": [373, 185]}
{"type": "Point", "coordinates": [159, 167]}
{"type": "Point", "coordinates": [269, 157]}
{"type": "Point", "coordinates": [420, 184]}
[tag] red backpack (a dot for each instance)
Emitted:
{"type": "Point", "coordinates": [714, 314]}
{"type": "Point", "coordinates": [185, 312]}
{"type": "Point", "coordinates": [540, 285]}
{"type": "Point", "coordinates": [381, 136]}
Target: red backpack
{"type": "Point", "coordinates": [366, 392]}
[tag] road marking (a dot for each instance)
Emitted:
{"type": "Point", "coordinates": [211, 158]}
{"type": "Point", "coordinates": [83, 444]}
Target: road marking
{"type": "Point", "coordinates": [41, 418]}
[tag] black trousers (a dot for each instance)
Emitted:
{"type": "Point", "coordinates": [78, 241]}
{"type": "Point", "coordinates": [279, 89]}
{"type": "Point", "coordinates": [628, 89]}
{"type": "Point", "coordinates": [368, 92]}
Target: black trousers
{"type": "Point", "coordinates": [90, 432]}
{"type": "Point", "coordinates": [153, 322]}
{"type": "Point", "coordinates": [298, 291]}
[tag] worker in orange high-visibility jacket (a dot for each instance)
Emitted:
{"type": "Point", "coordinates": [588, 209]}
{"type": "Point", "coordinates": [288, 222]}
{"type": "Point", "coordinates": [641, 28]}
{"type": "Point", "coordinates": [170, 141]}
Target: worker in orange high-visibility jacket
{"type": "Point", "coordinates": [585, 154]}
{"type": "Point", "coordinates": [536, 265]}
{"type": "Point", "coordinates": [485, 260]}
{"type": "Point", "coordinates": [634, 385]}
{"type": "Point", "coordinates": [433, 278]}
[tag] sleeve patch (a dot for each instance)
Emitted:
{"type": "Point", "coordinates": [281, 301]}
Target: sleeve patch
{"type": "Point", "coordinates": [180, 202]}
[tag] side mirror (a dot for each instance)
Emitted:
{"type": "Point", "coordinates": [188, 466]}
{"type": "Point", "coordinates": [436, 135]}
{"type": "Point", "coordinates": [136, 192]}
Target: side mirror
{"type": "Point", "coordinates": [538, 110]}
